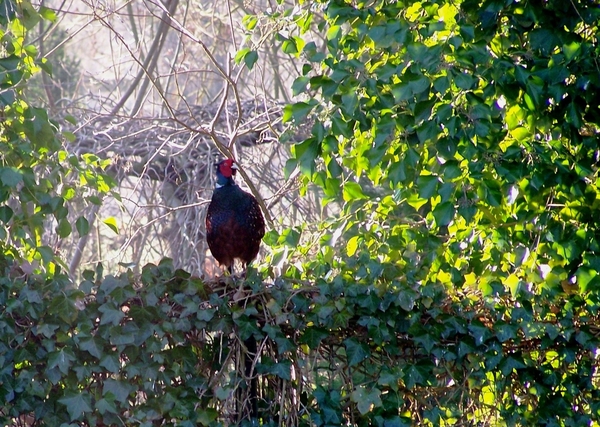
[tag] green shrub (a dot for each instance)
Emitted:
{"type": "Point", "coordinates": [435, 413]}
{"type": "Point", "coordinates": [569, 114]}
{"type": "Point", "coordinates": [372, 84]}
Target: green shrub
{"type": "Point", "coordinates": [165, 349]}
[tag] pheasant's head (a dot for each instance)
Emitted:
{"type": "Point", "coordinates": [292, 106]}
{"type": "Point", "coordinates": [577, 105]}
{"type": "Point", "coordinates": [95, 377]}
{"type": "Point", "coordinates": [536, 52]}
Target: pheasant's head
{"type": "Point", "coordinates": [226, 170]}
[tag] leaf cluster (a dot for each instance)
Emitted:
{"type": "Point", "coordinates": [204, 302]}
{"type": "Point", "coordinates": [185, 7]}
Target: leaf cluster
{"type": "Point", "coordinates": [38, 177]}
{"type": "Point", "coordinates": [461, 140]}
{"type": "Point", "coordinates": [166, 348]}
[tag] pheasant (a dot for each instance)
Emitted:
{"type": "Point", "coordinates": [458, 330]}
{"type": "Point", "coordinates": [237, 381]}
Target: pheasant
{"type": "Point", "coordinates": [234, 223]}
{"type": "Point", "coordinates": [234, 228]}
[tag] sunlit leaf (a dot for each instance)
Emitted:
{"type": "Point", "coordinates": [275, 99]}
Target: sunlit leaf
{"type": "Point", "coordinates": [111, 222]}
{"type": "Point", "coordinates": [352, 245]}
{"type": "Point", "coordinates": [353, 191]}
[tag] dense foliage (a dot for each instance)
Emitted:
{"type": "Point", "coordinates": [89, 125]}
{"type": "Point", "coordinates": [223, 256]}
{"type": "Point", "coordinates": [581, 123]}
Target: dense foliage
{"type": "Point", "coordinates": [165, 350]}
{"type": "Point", "coordinates": [38, 176]}
{"type": "Point", "coordinates": [458, 285]}
{"type": "Point", "coordinates": [464, 139]}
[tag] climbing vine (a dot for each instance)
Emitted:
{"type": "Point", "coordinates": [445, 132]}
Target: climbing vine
{"type": "Point", "coordinates": [167, 348]}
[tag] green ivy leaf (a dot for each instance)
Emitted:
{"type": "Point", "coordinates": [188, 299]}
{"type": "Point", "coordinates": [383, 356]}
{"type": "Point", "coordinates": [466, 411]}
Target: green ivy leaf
{"type": "Point", "coordinates": [300, 85]}
{"type": "Point", "coordinates": [407, 299]}
{"type": "Point", "coordinates": [207, 416]}
{"type": "Point", "coordinates": [292, 45]}
{"type": "Point", "coordinates": [250, 59]}
{"type": "Point", "coordinates": [587, 279]}
{"type": "Point", "coordinates": [366, 400]}
{"type": "Point", "coordinates": [352, 245]}
{"type": "Point", "coordinates": [413, 377]}
{"type": "Point", "coordinates": [479, 332]}
{"type": "Point", "coordinates": [282, 370]}
{"type": "Point", "coordinates": [428, 185]}
{"type": "Point", "coordinates": [444, 213]}
{"type": "Point", "coordinates": [92, 346]}
{"type": "Point", "coordinates": [250, 21]}
{"type": "Point", "coordinates": [6, 213]}
{"type": "Point", "coordinates": [110, 283]}
{"type": "Point", "coordinates": [110, 314]}
{"type": "Point", "coordinates": [105, 405]}
{"type": "Point", "coordinates": [571, 50]}
{"type": "Point", "coordinates": [356, 351]}
{"type": "Point", "coordinates": [426, 340]}
{"type": "Point", "coordinates": [64, 308]}
{"type": "Point", "coordinates": [491, 192]}
{"type": "Point", "coordinates": [47, 14]}
{"type": "Point", "coordinates": [290, 237]}
{"type": "Point", "coordinates": [111, 363]}
{"type": "Point", "coordinates": [77, 403]}
{"type": "Point", "coordinates": [464, 81]}
{"type": "Point", "coordinates": [119, 337]}
{"type": "Point", "coordinates": [353, 191]}
{"type": "Point", "coordinates": [505, 332]}
{"type": "Point", "coordinates": [119, 389]}
{"type": "Point", "coordinates": [239, 56]}
{"type": "Point", "coordinates": [510, 364]}
{"type": "Point", "coordinates": [313, 336]}
{"type": "Point", "coordinates": [62, 359]}
{"type": "Point", "coordinates": [11, 177]}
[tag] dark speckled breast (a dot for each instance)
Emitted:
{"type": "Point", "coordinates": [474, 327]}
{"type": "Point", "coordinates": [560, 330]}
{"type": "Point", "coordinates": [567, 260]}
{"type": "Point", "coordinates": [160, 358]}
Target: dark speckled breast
{"type": "Point", "coordinates": [234, 226]}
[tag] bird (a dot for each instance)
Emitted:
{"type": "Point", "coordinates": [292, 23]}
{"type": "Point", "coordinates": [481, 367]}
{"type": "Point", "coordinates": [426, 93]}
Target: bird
{"type": "Point", "coordinates": [234, 229]}
{"type": "Point", "coordinates": [235, 224]}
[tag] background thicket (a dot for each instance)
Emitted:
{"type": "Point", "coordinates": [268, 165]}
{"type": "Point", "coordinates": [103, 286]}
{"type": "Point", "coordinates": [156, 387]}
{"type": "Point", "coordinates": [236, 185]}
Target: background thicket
{"type": "Point", "coordinates": [444, 272]}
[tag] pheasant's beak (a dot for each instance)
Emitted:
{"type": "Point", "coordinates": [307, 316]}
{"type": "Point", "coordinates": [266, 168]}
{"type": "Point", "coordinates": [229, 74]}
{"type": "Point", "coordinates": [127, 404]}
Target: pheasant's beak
{"type": "Point", "coordinates": [235, 166]}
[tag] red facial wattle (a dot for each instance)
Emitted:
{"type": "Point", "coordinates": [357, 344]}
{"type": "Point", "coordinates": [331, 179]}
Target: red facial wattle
{"type": "Point", "coordinates": [226, 168]}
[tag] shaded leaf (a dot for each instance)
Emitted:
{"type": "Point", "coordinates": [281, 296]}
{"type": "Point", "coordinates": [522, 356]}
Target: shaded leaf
{"type": "Point", "coordinates": [83, 226]}
{"type": "Point", "coordinates": [356, 351]}
{"type": "Point", "coordinates": [77, 404]}
{"type": "Point", "coordinates": [366, 399]}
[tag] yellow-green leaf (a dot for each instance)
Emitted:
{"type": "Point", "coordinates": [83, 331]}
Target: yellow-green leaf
{"type": "Point", "coordinates": [112, 224]}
